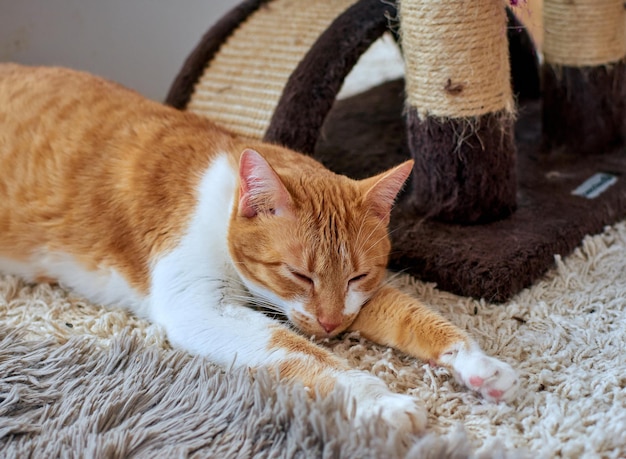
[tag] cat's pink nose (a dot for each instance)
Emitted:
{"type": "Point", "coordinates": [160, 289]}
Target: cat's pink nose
{"type": "Point", "coordinates": [327, 325]}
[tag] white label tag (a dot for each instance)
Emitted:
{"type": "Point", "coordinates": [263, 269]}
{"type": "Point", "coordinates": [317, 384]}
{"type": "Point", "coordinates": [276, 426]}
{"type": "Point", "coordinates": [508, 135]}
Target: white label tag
{"type": "Point", "coordinates": [595, 185]}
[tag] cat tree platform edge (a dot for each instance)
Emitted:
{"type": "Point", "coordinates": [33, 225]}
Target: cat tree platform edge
{"type": "Point", "coordinates": [492, 261]}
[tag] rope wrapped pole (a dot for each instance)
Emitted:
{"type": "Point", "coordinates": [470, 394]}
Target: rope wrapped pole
{"type": "Point", "coordinates": [460, 108]}
{"type": "Point", "coordinates": [584, 94]}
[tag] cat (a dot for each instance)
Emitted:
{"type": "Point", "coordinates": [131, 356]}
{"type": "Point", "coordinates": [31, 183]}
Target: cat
{"type": "Point", "coordinates": [129, 202]}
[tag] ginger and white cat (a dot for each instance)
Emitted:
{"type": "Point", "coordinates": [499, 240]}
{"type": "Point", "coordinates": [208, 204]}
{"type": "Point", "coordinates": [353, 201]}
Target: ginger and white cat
{"type": "Point", "coordinates": [132, 203]}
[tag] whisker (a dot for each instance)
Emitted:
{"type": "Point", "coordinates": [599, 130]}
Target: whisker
{"type": "Point", "coordinates": [373, 245]}
{"type": "Point", "coordinates": [213, 279]}
{"type": "Point", "coordinates": [254, 300]}
{"type": "Point", "coordinates": [393, 277]}
{"type": "Point", "coordinates": [376, 228]}
{"type": "Point", "coordinates": [260, 304]}
{"type": "Point", "coordinates": [361, 242]}
{"type": "Point", "coordinates": [389, 233]}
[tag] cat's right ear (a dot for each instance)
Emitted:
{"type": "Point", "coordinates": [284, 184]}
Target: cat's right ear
{"type": "Point", "coordinates": [260, 189]}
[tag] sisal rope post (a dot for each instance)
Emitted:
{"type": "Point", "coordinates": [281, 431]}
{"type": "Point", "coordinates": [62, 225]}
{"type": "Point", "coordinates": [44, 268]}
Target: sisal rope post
{"type": "Point", "coordinates": [583, 76]}
{"type": "Point", "coordinates": [460, 108]}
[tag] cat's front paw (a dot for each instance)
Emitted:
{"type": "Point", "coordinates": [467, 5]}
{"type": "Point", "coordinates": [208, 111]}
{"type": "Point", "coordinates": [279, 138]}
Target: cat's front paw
{"type": "Point", "coordinates": [399, 410]}
{"type": "Point", "coordinates": [371, 398]}
{"type": "Point", "coordinates": [493, 379]}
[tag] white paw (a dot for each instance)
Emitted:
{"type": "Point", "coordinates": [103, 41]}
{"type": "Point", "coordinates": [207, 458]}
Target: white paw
{"type": "Point", "coordinates": [399, 410]}
{"type": "Point", "coordinates": [494, 380]}
{"type": "Point", "coordinates": [371, 398]}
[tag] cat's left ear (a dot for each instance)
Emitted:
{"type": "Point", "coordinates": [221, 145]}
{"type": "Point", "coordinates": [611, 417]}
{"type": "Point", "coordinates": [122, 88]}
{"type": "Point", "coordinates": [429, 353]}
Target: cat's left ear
{"type": "Point", "coordinates": [383, 189]}
{"type": "Point", "coordinates": [260, 189]}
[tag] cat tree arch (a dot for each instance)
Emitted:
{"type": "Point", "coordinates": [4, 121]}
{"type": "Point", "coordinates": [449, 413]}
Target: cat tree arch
{"type": "Point", "coordinates": [491, 196]}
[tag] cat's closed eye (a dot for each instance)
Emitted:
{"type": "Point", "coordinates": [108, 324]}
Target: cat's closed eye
{"type": "Point", "coordinates": [358, 278]}
{"type": "Point", "coordinates": [302, 278]}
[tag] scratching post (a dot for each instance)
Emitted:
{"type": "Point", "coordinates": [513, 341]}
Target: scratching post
{"type": "Point", "coordinates": [583, 74]}
{"type": "Point", "coordinates": [459, 108]}
{"type": "Point", "coordinates": [271, 69]}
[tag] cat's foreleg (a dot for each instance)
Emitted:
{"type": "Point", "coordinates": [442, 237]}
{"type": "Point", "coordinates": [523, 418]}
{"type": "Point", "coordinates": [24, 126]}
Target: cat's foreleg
{"type": "Point", "coordinates": [240, 336]}
{"type": "Point", "coordinates": [368, 395]}
{"type": "Point", "coordinates": [395, 319]}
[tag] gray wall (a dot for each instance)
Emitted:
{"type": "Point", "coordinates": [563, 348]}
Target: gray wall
{"type": "Point", "coordinates": [139, 43]}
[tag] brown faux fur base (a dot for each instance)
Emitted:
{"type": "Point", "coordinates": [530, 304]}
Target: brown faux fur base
{"type": "Point", "coordinates": [492, 261]}
{"type": "Point", "coordinates": [463, 181]}
{"type": "Point", "coordinates": [584, 108]}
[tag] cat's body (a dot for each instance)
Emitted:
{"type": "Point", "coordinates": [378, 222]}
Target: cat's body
{"type": "Point", "coordinates": [132, 203]}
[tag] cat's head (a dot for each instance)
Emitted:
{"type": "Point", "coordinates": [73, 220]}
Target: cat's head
{"type": "Point", "coordinates": [311, 242]}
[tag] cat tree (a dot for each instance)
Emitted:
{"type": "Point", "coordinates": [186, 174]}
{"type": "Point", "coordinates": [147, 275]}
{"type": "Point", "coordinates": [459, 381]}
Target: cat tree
{"type": "Point", "coordinates": [498, 184]}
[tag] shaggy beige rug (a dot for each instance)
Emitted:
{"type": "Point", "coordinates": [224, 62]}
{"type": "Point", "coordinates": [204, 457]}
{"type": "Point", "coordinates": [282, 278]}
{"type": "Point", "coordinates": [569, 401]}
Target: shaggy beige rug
{"type": "Point", "coordinates": [80, 381]}
{"type": "Point", "coordinates": [77, 380]}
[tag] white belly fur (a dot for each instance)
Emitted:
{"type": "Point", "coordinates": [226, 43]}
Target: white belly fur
{"type": "Point", "coordinates": [103, 286]}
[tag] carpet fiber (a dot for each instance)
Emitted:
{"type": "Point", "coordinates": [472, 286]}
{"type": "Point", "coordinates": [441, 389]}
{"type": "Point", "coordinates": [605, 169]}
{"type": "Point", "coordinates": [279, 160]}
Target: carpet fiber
{"type": "Point", "coordinates": [81, 381]}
